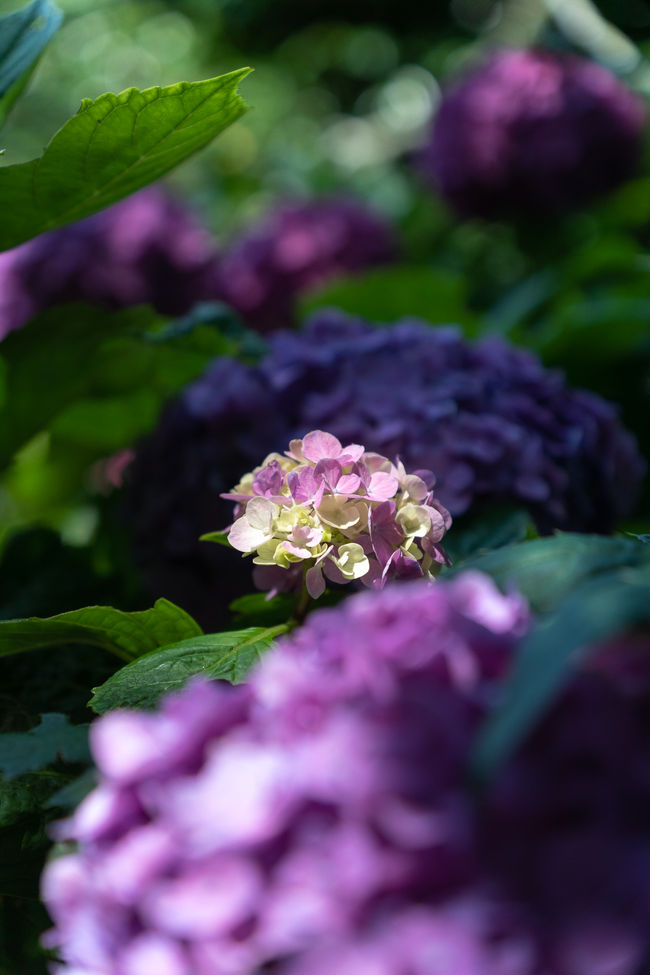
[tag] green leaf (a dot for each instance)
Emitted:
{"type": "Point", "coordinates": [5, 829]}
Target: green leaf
{"type": "Point", "coordinates": [249, 345]}
{"type": "Point", "coordinates": [96, 378]}
{"type": "Point", "coordinates": [23, 36]}
{"type": "Point", "coordinates": [26, 795]}
{"type": "Point", "coordinates": [223, 656]}
{"type": "Point", "coordinates": [112, 147]}
{"type": "Point", "coordinates": [128, 635]}
{"type": "Point", "coordinates": [494, 527]}
{"type": "Point", "coordinates": [70, 795]}
{"type": "Point", "coordinates": [595, 612]}
{"type": "Point", "coordinates": [545, 570]}
{"type": "Point", "coordinates": [51, 741]}
{"type": "Point", "coordinates": [388, 293]}
{"type": "Point", "coordinates": [219, 538]}
{"type": "Point", "coordinates": [257, 608]}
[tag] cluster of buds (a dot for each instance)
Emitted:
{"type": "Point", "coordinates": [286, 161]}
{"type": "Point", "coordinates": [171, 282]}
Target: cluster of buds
{"type": "Point", "coordinates": [325, 510]}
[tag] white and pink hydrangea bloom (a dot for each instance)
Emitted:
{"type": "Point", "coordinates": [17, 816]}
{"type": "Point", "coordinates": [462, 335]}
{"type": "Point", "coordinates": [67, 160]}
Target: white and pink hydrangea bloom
{"type": "Point", "coordinates": [327, 511]}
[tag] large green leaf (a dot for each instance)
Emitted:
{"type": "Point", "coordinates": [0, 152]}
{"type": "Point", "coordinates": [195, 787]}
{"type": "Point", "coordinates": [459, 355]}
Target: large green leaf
{"type": "Point", "coordinates": [389, 293]}
{"type": "Point", "coordinates": [546, 570]}
{"type": "Point", "coordinates": [128, 635]}
{"type": "Point", "coordinates": [54, 739]}
{"type": "Point", "coordinates": [492, 527]}
{"type": "Point", "coordinates": [609, 604]}
{"type": "Point", "coordinates": [98, 378]}
{"type": "Point", "coordinates": [23, 36]}
{"type": "Point", "coordinates": [112, 147]}
{"type": "Point", "coordinates": [223, 656]}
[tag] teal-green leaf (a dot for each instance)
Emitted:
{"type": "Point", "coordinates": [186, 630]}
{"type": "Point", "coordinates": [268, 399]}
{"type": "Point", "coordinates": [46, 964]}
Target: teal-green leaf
{"type": "Point", "coordinates": [493, 527]}
{"type": "Point", "coordinates": [23, 36]}
{"type": "Point", "coordinates": [112, 147]}
{"type": "Point", "coordinates": [54, 739]}
{"type": "Point", "coordinates": [128, 635]}
{"type": "Point", "coordinates": [546, 570]}
{"type": "Point", "coordinates": [595, 612]}
{"type": "Point", "coordinates": [224, 656]}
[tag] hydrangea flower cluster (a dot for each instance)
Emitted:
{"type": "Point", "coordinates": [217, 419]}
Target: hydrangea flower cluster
{"type": "Point", "coordinates": [488, 418]}
{"type": "Point", "coordinates": [149, 249]}
{"type": "Point", "coordinates": [320, 820]}
{"type": "Point", "coordinates": [339, 512]}
{"type": "Point", "coordinates": [534, 133]}
{"type": "Point", "coordinates": [298, 246]}
{"type": "Point", "coordinates": [146, 249]}
{"type": "Point", "coordinates": [270, 824]}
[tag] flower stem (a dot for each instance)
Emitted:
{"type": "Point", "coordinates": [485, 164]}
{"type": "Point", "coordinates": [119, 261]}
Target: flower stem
{"type": "Point", "coordinates": [302, 603]}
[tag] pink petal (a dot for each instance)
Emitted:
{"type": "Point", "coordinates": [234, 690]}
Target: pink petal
{"type": "Point", "coordinates": [382, 486]}
{"type": "Point", "coordinates": [302, 553]}
{"type": "Point", "coordinates": [348, 484]}
{"type": "Point", "coordinates": [319, 445]}
{"type": "Point", "coordinates": [295, 451]}
{"type": "Point", "coordinates": [352, 453]}
{"type": "Point", "coordinates": [315, 582]}
{"type": "Point", "coordinates": [330, 470]}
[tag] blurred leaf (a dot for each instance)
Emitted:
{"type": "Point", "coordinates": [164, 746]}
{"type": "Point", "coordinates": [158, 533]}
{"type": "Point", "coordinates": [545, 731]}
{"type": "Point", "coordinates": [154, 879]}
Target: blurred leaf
{"type": "Point", "coordinates": [518, 302]}
{"type": "Point", "coordinates": [128, 635]}
{"type": "Point", "coordinates": [218, 656]}
{"type": "Point", "coordinates": [644, 539]}
{"type": "Point", "coordinates": [54, 739]}
{"type": "Point", "coordinates": [49, 363]}
{"type": "Point", "coordinates": [42, 576]}
{"type": "Point", "coordinates": [546, 570]}
{"type": "Point", "coordinates": [257, 608]}
{"type": "Point", "coordinates": [389, 293]}
{"type": "Point", "coordinates": [72, 794]}
{"type": "Point", "coordinates": [593, 613]}
{"type": "Point", "coordinates": [112, 147]}
{"type": "Point", "coordinates": [249, 345]}
{"type": "Point", "coordinates": [492, 528]}
{"type": "Point", "coordinates": [23, 36]}
{"type": "Point", "coordinates": [97, 378]}
{"type": "Point", "coordinates": [26, 795]}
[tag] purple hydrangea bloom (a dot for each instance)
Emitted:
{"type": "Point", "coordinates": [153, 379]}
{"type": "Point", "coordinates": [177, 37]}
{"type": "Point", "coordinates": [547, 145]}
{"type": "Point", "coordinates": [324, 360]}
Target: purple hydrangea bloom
{"type": "Point", "coordinates": [320, 820]}
{"type": "Point", "coordinates": [299, 246]}
{"type": "Point", "coordinates": [487, 418]}
{"type": "Point", "coordinates": [146, 249]}
{"type": "Point", "coordinates": [533, 133]}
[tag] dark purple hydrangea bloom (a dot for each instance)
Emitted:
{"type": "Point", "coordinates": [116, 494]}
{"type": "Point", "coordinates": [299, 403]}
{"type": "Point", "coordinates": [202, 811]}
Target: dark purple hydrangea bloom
{"type": "Point", "coordinates": [146, 249]}
{"type": "Point", "coordinates": [485, 417]}
{"type": "Point", "coordinates": [533, 133]}
{"type": "Point", "coordinates": [296, 247]}
{"type": "Point", "coordinates": [319, 820]}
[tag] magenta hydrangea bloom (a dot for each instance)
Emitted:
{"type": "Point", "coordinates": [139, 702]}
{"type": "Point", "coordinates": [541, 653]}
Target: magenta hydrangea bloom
{"type": "Point", "coordinates": [320, 820]}
{"type": "Point", "coordinates": [236, 828]}
{"type": "Point", "coordinates": [148, 249]}
{"type": "Point", "coordinates": [533, 133]}
{"type": "Point", "coordinates": [492, 423]}
{"type": "Point", "coordinates": [324, 510]}
{"type": "Point", "coordinates": [298, 246]}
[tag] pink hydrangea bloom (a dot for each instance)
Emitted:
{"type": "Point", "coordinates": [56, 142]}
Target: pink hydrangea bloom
{"type": "Point", "coordinates": [293, 822]}
{"type": "Point", "coordinates": [320, 820]}
{"type": "Point", "coordinates": [341, 512]}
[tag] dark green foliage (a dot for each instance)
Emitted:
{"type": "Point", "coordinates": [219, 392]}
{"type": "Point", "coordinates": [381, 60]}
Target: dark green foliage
{"type": "Point", "coordinates": [220, 656]}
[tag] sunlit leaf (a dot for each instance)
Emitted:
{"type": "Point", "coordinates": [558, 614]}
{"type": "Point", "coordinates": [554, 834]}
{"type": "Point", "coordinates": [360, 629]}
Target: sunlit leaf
{"type": "Point", "coordinates": [112, 147]}
{"type": "Point", "coordinates": [224, 656]}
